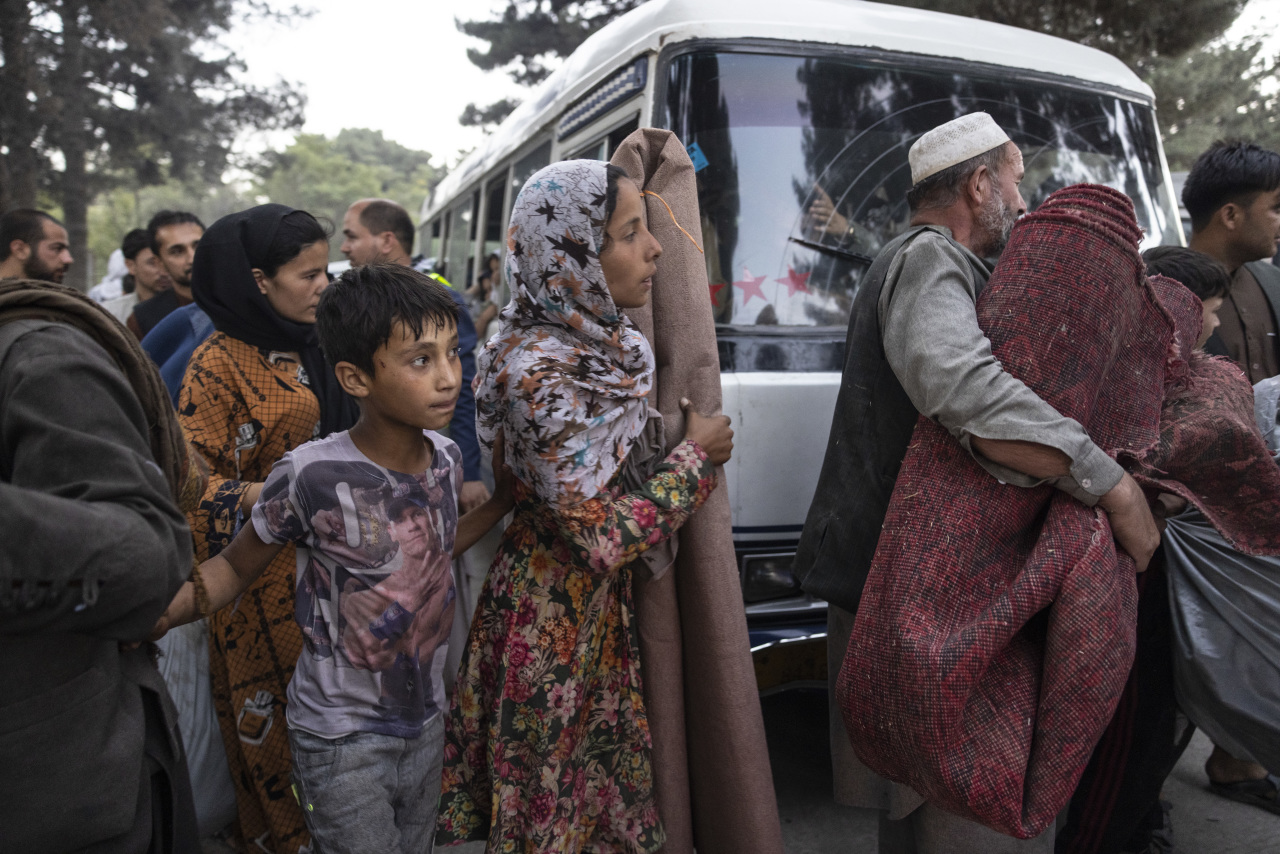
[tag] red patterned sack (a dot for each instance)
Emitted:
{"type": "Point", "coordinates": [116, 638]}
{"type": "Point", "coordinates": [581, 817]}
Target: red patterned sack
{"type": "Point", "coordinates": [996, 629]}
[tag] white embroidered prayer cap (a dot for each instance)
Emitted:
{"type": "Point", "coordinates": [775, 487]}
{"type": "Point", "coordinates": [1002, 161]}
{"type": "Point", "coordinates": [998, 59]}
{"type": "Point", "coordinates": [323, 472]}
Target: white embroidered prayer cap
{"type": "Point", "coordinates": [952, 143]}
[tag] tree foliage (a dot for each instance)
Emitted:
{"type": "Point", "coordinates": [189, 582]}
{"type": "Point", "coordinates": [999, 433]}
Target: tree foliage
{"type": "Point", "coordinates": [324, 176]}
{"type": "Point", "coordinates": [99, 93]}
{"type": "Point", "coordinates": [526, 38]}
{"type": "Point", "coordinates": [1217, 93]}
{"type": "Point", "coordinates": [487, 117]}
{"type": "Point", "coordinates": [1133, 30]}
{"type": "Point", "coordinates": [529, 32]}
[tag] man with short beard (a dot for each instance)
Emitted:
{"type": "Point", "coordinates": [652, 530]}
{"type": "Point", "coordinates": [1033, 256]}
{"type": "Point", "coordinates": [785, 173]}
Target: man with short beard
{"type": "Point", "coordinates": [174, 238]}
{"type": "Point", "coordinates": [146, 274]}
{"type": "Point", "coordinates": [915, 348]}
{"type": "Point", "coordinates": [33, 245]}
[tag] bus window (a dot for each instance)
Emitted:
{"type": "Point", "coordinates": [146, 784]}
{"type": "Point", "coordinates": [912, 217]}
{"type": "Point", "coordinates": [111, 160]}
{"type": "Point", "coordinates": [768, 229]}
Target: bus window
{"type": "Point", "coordinates": [774, 134]}
{"type": "Point", "coordinates": [617, 135]}
{"type": "Point", "coordinates": [603, 148]}
{"type": "Point", "coordinates": [525, 167]}
{"type": "Point", "coordinates": [429, 240]}
{"type": "Point", "coordinates": [459, 251]}
{"type": "Point", "coordinates": [596, 150]}
{"type": "Point", "coordinates": [442, 262]}
{"type": "Point", "coordinates": [493, 237]}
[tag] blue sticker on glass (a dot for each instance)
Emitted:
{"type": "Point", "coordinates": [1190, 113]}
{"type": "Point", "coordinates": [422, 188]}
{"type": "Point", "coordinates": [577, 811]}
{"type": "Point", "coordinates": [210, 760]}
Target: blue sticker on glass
{"type": "Point", "coordinates": [699, 159]}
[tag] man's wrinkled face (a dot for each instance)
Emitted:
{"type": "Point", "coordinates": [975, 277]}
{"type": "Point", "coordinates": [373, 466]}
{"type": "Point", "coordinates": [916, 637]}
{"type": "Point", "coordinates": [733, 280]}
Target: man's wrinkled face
{"type": "Point", "coordinates": [1004, 206]}
{"type": "Point", "coordinates": [49, 259]}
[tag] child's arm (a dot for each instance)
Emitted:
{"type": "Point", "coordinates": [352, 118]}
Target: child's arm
{"type": "Point", "coordinates": [475, 524]}
{"type": "Point", "coordinates": [225, 577]}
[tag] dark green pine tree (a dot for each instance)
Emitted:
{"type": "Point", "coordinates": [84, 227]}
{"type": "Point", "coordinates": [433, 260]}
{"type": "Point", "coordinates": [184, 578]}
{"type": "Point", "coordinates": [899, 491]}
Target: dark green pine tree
{"type": "Point", "coordinates": [98, 93]}
{"type": "Point", "coordinates": [528, 33]}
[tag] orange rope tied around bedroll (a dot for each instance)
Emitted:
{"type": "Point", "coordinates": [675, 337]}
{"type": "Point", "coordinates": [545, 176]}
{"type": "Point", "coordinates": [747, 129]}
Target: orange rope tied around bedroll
{"type": "Point", "coordinates": [673, 218]}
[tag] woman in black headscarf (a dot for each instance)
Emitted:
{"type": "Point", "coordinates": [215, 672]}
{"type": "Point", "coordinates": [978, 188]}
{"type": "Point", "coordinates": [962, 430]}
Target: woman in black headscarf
{"type": "Point", "coordinates": [255, 390]}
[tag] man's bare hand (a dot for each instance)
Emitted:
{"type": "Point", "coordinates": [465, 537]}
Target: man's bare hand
{"type": "Point", "coordinates": [822, 218]}
{"type": "Point", "coordinates": [1132, 524]}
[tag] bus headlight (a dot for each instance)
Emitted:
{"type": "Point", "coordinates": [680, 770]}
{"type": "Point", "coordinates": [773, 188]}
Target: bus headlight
{"type": "Point", "coordinates": [768, 576]}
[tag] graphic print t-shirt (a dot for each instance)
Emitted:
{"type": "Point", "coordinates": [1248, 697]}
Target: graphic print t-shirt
{"type": "Point", "coordinates": [375, 591]}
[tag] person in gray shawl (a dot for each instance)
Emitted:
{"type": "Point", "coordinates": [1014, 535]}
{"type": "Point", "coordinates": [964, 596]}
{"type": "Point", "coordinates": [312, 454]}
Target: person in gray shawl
{"type": "Point", "coordinates": [92, 468]}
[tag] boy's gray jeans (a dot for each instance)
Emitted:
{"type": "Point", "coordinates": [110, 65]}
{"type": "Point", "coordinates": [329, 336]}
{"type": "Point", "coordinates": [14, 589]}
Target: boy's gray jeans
{"type": "Point", "coordinates": [369, 792]}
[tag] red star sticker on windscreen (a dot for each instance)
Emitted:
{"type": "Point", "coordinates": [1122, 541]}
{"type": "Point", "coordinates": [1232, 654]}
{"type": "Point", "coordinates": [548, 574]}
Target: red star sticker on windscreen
{"type": "Point", "coordinates": [795, 282]}
{"type": "Point", "coordinates": [715, 291]}
{"type": "Point", "coordinates": [750, 286]}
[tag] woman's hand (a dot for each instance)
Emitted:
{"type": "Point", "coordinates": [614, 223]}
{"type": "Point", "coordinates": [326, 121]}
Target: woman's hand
{"type": "Point", "coordinates": [711, 432]}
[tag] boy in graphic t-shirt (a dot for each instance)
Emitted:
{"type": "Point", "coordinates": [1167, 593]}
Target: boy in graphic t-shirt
{"type": "Point", "coordinates": [374, 514]}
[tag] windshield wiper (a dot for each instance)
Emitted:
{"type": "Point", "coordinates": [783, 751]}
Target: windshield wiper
{"type": "Point", "coordinates": [865, 260]}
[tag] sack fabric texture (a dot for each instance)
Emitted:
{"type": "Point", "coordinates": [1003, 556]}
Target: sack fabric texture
{"type": "Point", "coordinates": [710, 760]}
{"type": "Point", "coordinates": [997, 627]}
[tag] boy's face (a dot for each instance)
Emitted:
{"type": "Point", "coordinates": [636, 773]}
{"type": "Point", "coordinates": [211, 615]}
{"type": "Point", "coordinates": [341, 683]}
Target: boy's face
{"type": "Point", "coordinates": [1209, 319]}
{"type": "Point", "coordinates": [416, 380]}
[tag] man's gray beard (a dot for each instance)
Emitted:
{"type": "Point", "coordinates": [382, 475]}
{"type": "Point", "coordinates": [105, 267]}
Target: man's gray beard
{"type": "Point", "coordinates": [996, 221]}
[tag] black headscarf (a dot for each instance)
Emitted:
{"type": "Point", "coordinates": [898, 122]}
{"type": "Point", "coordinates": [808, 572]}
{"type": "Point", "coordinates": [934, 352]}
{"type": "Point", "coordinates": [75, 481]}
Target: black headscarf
{"type": "Point", "coordinates": [223, 286]}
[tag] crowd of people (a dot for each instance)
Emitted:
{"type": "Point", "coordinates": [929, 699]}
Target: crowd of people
{"type": "Point", "coordinates": [237, 440]}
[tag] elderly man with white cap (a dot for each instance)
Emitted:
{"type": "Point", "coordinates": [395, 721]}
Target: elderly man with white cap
{"type": "Point", "coordinates": [914, 347]}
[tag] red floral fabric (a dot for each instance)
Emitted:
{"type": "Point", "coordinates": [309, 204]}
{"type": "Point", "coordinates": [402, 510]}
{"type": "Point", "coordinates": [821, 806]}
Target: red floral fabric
{"type": "Point", "coordinates": [996, 630]}
{"type": "Point", "coordinates": [547, 744]}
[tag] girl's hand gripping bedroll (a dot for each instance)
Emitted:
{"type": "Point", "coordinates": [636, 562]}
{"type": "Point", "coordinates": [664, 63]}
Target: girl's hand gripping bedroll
{"type": "Point", "coordinates": [711, 432]}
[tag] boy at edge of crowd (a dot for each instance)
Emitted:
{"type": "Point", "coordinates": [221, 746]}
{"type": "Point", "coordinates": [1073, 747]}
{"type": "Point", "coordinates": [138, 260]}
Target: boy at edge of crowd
{"type": "Point", "coordinates": [1199, 273]}
{"type": "Point", "coordinates": [374, 514]}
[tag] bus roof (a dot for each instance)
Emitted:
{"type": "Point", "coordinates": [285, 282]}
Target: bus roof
{"type": "Point", "coordinates": [659, 23]}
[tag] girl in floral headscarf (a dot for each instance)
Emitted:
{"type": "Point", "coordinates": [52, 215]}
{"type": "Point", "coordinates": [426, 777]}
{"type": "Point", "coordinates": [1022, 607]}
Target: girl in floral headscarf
{"type": "Point", "coordinates": [548, 743]}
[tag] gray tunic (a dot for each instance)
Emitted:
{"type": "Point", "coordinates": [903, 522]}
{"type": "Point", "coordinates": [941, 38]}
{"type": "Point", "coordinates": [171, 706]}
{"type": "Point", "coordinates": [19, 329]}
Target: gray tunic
{"type": "Point", "coordinates": [944, 362]}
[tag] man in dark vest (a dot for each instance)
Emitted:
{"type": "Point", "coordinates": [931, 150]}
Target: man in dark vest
{"type": "Point", "coordinates": [174, 238]}
{"type": "Point", "coordinates": [1233, 195]}
{"type": "Point", "coordinates": [914, 347]}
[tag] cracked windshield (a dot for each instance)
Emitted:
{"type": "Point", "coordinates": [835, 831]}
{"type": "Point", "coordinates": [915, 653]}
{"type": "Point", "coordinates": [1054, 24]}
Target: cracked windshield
{"type": "Point", "coordinates": [803, 175]}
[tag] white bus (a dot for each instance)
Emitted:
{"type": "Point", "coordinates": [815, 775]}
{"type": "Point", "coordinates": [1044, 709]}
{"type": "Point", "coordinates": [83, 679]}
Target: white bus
{"type": "Point", "coordinates": [782, 105]}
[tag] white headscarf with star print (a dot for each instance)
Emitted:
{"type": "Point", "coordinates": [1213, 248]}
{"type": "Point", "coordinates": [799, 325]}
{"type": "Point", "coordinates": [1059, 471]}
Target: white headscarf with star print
{"type": "Point", "coordinates": [567, 375]}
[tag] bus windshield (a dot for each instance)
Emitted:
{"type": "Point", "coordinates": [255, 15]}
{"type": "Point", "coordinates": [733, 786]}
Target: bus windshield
{"type": "Point", "coordinates": [774, 138]}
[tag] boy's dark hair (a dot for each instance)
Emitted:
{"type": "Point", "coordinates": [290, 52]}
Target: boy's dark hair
{"type": "Point", "coordinates": [357, 312]}
{"type": "Point", "coordinates": [1203, 275]}
{"type": "Point", "coordinates": [942, 189]}
{"type": "Point", "coordinates": [1229, 171]}
{"type": "Point", "coordinates": [134, 242]}
{"type": "Point", "coordinates": [297, 231]}
{"type": "Point", "coordinates": [166, 218]}
{"type": "Point", "coordinates": [25, 224]}
{"type": "Point", "coordinates": [382, 215]}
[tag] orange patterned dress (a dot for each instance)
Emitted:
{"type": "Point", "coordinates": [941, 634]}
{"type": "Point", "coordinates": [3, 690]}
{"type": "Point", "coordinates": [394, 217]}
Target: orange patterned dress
{"type": "Point", "coordinates": [243, 409]}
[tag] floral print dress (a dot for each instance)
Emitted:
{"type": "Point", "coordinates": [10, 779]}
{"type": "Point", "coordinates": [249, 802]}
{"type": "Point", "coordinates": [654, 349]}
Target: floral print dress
{"type": "Point", "coordinates": [548, 742]}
